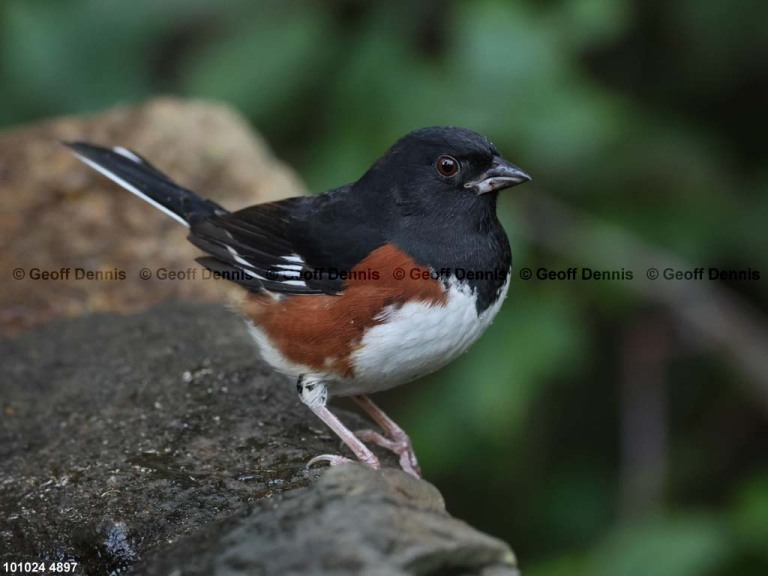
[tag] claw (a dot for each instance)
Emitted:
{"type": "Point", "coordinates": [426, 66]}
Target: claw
{"type": "Point", "coordinates": [363, 453]}
{"type": "Point", "coordinates": [401, 446]}
{"type": "Point", "coordinates": [332, 459]}
{"type": "Point", "coordinates": [394, 438]}
{"type": "Point", "coordinates": [335, 460]}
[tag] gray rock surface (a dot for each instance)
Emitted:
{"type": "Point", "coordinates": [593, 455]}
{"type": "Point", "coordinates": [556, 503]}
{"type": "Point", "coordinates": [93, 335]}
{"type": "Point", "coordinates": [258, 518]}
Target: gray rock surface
{"type": "Point", "coordinates": [160, 441]}
{"type": "Point", "coordinates": [352, 521]}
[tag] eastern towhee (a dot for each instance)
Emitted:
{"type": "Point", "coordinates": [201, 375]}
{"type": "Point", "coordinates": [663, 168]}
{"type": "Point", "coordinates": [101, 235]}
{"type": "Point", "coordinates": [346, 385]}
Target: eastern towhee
{"type": "Point", "coordinates": [364, 287]}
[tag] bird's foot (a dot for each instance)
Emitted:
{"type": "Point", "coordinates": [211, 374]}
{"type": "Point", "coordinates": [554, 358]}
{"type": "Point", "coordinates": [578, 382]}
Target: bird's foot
{"type": "Point", "coordinates": [399, 443]}
{"type": "Point", "coordinates": [363, 453]}
{"type": "Point", "coordinates": [335, 460]}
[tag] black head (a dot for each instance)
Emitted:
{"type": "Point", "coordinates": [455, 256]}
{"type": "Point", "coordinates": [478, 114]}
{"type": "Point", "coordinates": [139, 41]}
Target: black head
{"type": "Point", "coordinates": [440, 170]}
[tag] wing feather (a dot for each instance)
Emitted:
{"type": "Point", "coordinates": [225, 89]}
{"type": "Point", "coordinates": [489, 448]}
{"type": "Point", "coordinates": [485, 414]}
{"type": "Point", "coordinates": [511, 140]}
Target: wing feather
{"type": "Point", "coordinates": [293, 246]}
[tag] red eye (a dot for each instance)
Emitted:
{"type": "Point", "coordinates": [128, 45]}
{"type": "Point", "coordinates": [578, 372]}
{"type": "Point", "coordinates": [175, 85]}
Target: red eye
{"type": "Point", "coordinates": [447, 166]}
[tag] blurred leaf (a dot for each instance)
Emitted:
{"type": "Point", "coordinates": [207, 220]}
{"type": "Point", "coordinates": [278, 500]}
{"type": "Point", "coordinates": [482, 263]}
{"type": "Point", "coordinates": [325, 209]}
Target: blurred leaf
{"type": "Point", "coordinates": [262, 60]}
{"type": "Point", "coordinates": [587, 23]}
{"type": "Point", "coordinates": [566, 565]}
{"type": "Point", "coordinates": [684, 546]}
{"type": "Point", "coordinates": [78, 55]}
{"type": "Point", "coordinates": [519, 82]}
{"type": "Point", "coordinates": [575, 504]}
{"type": "Point", "coordinates": [750, 516]}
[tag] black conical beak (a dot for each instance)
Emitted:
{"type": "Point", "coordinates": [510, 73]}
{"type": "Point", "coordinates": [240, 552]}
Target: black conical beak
{"type": "Point", "coordinates": [500, 175]}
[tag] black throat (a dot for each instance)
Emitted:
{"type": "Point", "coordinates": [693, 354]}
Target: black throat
{"type": "Point", "coordinates": [461, 239]}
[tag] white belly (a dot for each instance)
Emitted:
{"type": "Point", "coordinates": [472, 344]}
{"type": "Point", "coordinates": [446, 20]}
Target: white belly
{"type": "Point", "coordinates": [415, 340]}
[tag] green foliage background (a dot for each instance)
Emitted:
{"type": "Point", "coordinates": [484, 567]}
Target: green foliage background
{"type": "Point", "coordinates": [650, 115]}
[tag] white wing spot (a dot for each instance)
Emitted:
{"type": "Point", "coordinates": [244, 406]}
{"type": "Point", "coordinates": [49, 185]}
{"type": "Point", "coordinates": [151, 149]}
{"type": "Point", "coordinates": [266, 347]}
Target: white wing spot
{"type": "Point", "coordinates": [253, 274]}
{"type": "Point", "coordinates": [290, 267]}
{"type": "Point", "coordinates": [237, 258]}
{"type": "Point", "coordinates": [127, 154]}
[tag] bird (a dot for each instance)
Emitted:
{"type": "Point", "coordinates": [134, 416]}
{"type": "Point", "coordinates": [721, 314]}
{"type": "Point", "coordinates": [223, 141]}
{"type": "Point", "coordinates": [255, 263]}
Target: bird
{"type": "Point", "coordinates": [364, 287]}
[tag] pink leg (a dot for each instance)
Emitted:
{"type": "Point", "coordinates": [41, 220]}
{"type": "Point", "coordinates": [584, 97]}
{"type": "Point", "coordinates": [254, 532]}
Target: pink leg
{"type": "Point", "coordinates": [347, 436]}
{"type": "Point", "coordinates": [394, 439]}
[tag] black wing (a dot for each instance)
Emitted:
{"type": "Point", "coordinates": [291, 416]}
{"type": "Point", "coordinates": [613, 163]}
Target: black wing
{"type": "Point", "coordinates": [296, 246]}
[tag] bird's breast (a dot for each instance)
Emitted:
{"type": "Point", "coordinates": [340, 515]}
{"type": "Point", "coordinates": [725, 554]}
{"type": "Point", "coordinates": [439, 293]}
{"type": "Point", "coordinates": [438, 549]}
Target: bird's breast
{"type": "Point", "coordinates": [383, 330]}
{"type": "Point", "coordinates": [416, 339]}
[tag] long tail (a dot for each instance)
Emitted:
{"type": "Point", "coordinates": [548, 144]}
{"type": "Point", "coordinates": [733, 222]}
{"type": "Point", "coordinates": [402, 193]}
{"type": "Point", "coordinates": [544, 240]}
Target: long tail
{"type": "Point", "coordinates": [135, 174]}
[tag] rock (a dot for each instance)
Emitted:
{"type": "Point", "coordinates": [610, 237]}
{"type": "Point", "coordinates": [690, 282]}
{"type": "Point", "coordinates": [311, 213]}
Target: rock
{"type": "Point", "coordinates": [352, 521]}
{"type": "Point", "coordinates": [161, 439]}
{"type": "Point", "coordinates": [58, 214]}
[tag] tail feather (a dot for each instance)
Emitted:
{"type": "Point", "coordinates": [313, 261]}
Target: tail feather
{"type": "Point", "coordinates": [137, 175]}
